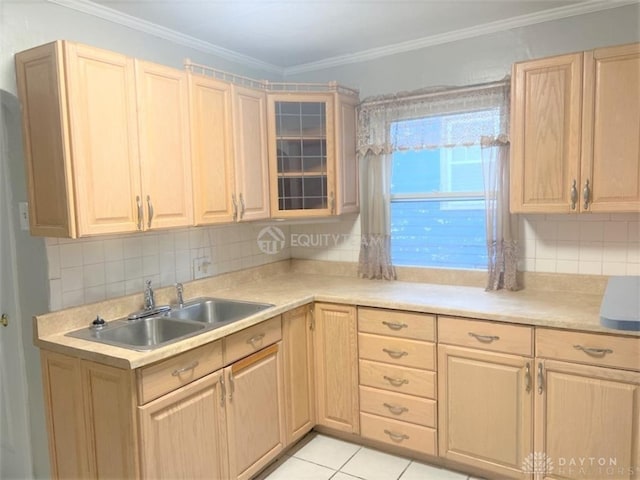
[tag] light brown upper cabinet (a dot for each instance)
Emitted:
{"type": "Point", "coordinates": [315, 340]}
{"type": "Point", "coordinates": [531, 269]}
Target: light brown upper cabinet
{"type": "Point", "coordinates": [229, 151]}
{"type": "Point", "coordinates": [312, 154]}
{"type": "Point", "coordinates": [574, 132]}
{"type": "Point", "coordinates": [105, 140]}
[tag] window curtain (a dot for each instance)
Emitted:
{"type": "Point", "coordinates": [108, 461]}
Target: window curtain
{"type": "Point", "coordinates": [501, 225]}
{"type": "Point", "coordinates": [380, 134]}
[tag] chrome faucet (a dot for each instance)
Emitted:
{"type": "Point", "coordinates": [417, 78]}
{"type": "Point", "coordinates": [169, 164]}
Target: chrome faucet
{"type": "Point", "coordinates": [149, 300]}
{"type": "Point", "coordinates": [179, 291]}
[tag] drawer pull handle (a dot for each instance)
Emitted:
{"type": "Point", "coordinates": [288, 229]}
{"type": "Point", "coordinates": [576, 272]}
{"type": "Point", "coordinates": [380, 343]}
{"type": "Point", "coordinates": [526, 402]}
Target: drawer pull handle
{"type": "Point", "coordinates": [396, 437]}
{"type": "Point", "coordinates": [396, 409]}
{"type": "Point", "coordinates": [396, 382]}
{"type": "Point", "coordinates": [395, 353]}
{"type": "Point", "coordinates": [395, 325]}
{"type": "Point", "coordinates": [256, 339]}
{"type": "Point", "coordinates": [179, 371]}
{"type": "Point", "coordinates": [594, 352]}
{"type": "Point", "coordinates": [484, 338]}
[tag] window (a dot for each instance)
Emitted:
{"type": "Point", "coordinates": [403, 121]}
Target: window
{"type": "Point", "coordinates": [437, 193]}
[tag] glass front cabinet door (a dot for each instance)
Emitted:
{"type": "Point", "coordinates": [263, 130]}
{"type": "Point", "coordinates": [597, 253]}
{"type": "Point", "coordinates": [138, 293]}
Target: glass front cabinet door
{"type": "Point", "coordinates": [312, 157]}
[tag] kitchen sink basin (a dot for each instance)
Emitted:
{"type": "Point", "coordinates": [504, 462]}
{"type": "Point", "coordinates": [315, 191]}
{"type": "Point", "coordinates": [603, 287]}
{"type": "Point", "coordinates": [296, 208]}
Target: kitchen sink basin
{"type": "Point", "coordinates": [216, 311]}
{"type": "Point", "coordinates": [141, 334]}
{"type": "Point", "coordinates": [195, 316]}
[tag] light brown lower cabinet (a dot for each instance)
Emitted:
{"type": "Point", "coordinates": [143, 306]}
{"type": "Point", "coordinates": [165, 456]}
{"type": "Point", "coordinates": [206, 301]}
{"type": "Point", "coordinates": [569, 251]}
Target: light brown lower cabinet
{"type": "Point", "coordinates": [299, 385]}
{"type": "Point", "coordinates": [255, 420]}
{"type": "Point", "coordinates": [182, 434]}
{"type": "Point", "coordinates": [587, 414]}
{"type": "Point", "coordinates": [485, 405]}
{"type": "Point", "coordinates": [336, 364]}
{"type": "Point", "coordinates": [91, 418]}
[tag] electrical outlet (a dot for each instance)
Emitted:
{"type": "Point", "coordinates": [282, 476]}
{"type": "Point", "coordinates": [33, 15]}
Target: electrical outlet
{"type": "Point", "coordinates": [23, 209]}
{"type": "Point", "coordinates": [201, 267]}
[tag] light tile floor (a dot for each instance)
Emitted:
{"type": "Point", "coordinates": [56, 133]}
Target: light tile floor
{"type": "Point", "coordinates": [319, 457]}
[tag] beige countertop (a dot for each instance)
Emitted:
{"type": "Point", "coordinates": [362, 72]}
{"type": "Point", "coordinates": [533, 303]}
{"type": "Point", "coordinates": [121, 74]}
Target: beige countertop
{"type": "Point", "coordinates": [287, 290]}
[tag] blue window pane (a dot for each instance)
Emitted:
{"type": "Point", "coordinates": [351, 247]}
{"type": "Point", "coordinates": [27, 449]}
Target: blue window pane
{"type": "Point", "coordinates": [415, 171]}
{"type": "Point", "coordinates": [448, 234]}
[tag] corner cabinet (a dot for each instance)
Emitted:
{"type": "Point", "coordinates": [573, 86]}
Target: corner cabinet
{"type": "Point", "coordinates": [312, 154]}
{"type": "Point", "coordinates": [106, 142]}
{"type": "Point", "coordinates": [574, 129]}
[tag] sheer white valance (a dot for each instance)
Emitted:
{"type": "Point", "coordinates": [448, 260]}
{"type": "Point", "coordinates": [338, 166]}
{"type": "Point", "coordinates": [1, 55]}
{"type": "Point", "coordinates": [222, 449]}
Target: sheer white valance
{"type": "Point", "coordinates": [379, 129]}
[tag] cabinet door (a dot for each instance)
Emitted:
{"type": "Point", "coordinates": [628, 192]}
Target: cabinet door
{"type": "Point", "coordinates": [302, 154]}
{"type": "Point", "coordinates": [545, 134]}
{"type": "Point", "coordinates": [163, 125]}
{"type": "Point", "coordinates": [69, 452]}
{"type": "Point", "coordinates": [347, 170]}
{"type": "Point", "coordinates": [255, 420]}
{"type": "Point", "coordinates": [110, 418]}
{"type": "Point", "coordinates": [297, 345]}
{"type": "Point", "coordinates": [182, 433]}
{"type": "Point", "coordinates": [251, 162]}
{"type": "Point", "coordinates": [211, 150]}
{"type": "Point", "coordinates": [485, 409]}
{"type": "Point", "coordinates": [611, 122]}
{"type": "Point", "coordinates": [587, 421]}
{"type": "Point", "coordinates": [102, 123]}
{"type": "Point", "coordinates": [336, 362]}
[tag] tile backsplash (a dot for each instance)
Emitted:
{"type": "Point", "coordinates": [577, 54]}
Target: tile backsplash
{"type": "Point", "coordinates": [594, 244]}
{"type": "Point", "coordinates": [93, 269]}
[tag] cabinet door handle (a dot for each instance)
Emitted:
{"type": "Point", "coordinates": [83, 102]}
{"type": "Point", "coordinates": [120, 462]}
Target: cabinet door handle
{"type": "Point", "coordinates": [395, 409]}
{"type": "Point", "coordinates": [396, 437]}
{"type": "Point", "coordinates": [586, 195]}
{"type": "Point", "coordinates": [232, 386]}
{"type": "Point", "coordinates": [484, 338]}
{"type": "Point", "coordinates": [180, 371]}
{"type": "Point", "coordinates": [235, 207]}
{"type": "Point", "coordinates": [332, 203]}
{"type": "Point", "coordinates": [594, 352]}
{"type": "Point", "coordinates": [139, 203]}
{"type": "Point", "coordinates": [150, 208]}
{"type": "Point", "coordinates": [395, 325]}
{"type": "Point", "coordinates": [527, 377]}
{"type": "Point", "coordinates": [574, 195]}
{"type": "Point", "coordinates": [396, 382]}
{"type": "Point", "coordinates": [540, 379]}
{"type": "Point", "coordinates": [395, 353]}
{"type": "Point", "coordinates": [223, 391]}
{"type": "Point", "coordinates": [312, 319]}
{"type": "Point", "coordinates": [242, 209]}
{"type": "Point", "coordinates": [255, 339]}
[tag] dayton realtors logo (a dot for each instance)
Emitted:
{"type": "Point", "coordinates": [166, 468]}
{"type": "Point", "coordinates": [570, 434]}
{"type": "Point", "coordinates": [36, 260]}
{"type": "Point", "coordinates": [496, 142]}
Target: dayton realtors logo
{"type": "Point", "coordinates": [271, 240]}
{"type": "Point", "coordinates": [537, 463]}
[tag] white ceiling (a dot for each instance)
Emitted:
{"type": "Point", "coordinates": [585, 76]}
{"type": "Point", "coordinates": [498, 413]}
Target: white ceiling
{"type": "Point", "coordinates": [299, 34]}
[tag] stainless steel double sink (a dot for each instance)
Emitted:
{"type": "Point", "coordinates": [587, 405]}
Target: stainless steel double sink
{"type": "Point", "coordinates": [153, 331]}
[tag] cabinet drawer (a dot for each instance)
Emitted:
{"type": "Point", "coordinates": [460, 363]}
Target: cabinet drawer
{"type": "Point", "coordinates": [398, 406]}
{"type": "Point", "coordinates": [250, 340]}
{"type": "Point", "coordinates": [410, 381]}
{"type": "Point", "coordinates": [397, 351]}
{"type": "Point", "coordinates": [400, 434]}
{"type": "Point", "coordinates": [396, 323]}
{"type": "Point", "coordinates": [592, 348]}
{"type": "Point", "coordinates": [495, 337]}
{"type": "Point", "coordinates": [163, 377]}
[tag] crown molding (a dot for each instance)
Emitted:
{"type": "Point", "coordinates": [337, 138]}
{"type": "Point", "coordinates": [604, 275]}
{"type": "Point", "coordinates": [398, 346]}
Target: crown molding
{"type": "Point", "coordinates": [461, 34]}
{"type": "Point", "coordinates": [114, 16]}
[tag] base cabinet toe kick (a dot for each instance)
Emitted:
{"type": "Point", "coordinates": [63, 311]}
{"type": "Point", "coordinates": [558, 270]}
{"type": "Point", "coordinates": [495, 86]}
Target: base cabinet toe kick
{"type": "Point", "coordinates": [487, 398]}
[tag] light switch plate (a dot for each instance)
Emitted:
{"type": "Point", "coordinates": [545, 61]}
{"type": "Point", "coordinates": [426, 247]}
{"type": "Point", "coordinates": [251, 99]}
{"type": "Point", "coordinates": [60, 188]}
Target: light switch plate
{"type": "Point", "coordinates": [23, 208]}
{"type": "Point", "coordinates": [201, 267]}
